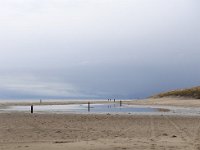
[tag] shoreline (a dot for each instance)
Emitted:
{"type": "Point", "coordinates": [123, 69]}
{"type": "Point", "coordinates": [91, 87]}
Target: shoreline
{"type": "Point", "coordinates": [166, 106]}
{"type": "Point", "coordinates": [55, 102]}
{"type": "Point", "coordinates": [170, 101]}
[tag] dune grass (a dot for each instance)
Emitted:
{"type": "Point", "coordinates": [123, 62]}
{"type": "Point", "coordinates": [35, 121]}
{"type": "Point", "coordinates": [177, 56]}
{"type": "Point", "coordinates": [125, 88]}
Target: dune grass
{"type": "Point", "coordinates": [189, 93]}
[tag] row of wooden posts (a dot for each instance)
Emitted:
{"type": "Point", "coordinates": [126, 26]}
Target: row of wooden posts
{"type": "Point", "coordinates": [120, 102]}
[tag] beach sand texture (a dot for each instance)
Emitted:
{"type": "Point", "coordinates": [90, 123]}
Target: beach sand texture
{"type": "Point", "coordinates": [168, 101]}
{"type": "Point", "coordinates": [98, 132]}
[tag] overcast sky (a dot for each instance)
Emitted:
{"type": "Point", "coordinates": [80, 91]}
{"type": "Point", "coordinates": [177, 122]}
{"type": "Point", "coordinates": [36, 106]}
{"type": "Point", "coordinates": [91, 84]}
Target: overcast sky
{"type": "Point", "coordinates": [98, 48]}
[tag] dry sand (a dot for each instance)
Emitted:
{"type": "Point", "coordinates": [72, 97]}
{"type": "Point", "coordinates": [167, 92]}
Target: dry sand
{"type": "Point", "coordinates": [183, 102]}
{"type": "Point", "coordinates": [44, 131]}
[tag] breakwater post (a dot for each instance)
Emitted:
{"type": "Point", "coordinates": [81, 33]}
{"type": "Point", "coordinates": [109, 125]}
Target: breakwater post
{"type": "Point", "coordinates": [31, 109]}
{"type": "Point", "coordinates": [88, 106]}
{"type": "Point", "coordinates": [120, 103]}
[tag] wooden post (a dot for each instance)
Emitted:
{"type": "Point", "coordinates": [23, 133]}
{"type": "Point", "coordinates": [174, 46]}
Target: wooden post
{"type": "Point", "coordinates": [114, 100]}
{"type": "Point", "coordinates": [88, 106]}
{"type": "Point", "coordinates": [120, 103]}
{"type": "Point", "coordinates": [31, 108]}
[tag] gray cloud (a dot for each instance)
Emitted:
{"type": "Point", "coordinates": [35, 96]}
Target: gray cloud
{"type": "Point", "coordinates": [99, 49]}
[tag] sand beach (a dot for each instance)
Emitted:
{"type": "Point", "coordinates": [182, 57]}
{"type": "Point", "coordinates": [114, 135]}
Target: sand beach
{"type": "Point", "coordinates": [41, 131]}
{"type": "Point", "coordinates": [25, 131]}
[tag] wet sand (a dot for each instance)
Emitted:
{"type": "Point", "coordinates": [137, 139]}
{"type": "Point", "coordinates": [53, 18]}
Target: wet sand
{"type": "Point", "coordinates": [173, 101]}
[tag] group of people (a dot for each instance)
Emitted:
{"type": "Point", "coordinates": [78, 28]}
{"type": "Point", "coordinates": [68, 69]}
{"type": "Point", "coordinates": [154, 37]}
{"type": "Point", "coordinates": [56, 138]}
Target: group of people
{"type": "Point", "coordinates": [111, 100]}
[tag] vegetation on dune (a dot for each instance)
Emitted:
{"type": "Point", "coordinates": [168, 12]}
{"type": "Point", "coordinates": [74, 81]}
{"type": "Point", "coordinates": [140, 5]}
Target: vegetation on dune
{"type": "Point", "coordinates": [189, 93]}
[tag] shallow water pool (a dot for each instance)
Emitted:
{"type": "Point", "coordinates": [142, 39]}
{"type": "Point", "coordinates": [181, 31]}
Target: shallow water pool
{"type": "Point", "coordinates": [81, 108]}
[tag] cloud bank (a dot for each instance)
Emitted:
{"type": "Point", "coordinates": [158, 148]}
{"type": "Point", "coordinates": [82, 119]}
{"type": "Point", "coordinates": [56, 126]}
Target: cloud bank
{"type": "Point", "coordinates": [97, 48]}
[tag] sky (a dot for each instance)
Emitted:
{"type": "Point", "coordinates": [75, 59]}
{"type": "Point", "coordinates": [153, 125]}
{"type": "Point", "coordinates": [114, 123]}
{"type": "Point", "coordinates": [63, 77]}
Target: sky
{"type": "Point", "coordinates": [98, 48]}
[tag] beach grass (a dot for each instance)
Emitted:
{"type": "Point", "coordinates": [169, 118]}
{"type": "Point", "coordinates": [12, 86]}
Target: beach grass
{"type": "Point", "coordinates": [189, 93]}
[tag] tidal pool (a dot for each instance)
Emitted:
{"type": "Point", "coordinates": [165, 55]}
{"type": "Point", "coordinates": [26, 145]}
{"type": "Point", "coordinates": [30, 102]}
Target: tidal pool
{"type": "Point", "coordinates": [81, 108]}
